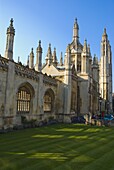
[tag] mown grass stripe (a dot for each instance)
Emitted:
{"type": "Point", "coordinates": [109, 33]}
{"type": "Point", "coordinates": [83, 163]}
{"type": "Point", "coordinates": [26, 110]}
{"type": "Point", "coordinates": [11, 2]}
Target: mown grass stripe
{"type": "Point", "coordinates": [79, 147]}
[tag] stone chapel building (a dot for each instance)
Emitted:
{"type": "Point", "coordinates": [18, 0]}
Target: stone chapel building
{"type": "Point", "coordinates": [56, 89]}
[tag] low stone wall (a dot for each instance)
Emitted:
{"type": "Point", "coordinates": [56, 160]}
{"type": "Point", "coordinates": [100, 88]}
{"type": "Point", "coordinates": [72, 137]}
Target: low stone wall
{"type": "Point", "coordinates": [9, 121]}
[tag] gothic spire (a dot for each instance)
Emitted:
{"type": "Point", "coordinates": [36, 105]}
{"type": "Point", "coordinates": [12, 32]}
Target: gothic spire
{"type": "Point", "coordinates": [104, 36]}
{"type": "Point", "coordinates": [49, 55]}
{"type": "Point", "coordinates": [75, 31]}
{"type": "Point", "coordinates": [39, 48]}
{"type": "Point", "coordinates": [54, 57]}
{"type": "Point", "coordinates": [104, 31]}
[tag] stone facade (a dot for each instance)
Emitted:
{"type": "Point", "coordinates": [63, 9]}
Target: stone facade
{"type": "Point", "coordinates": [57, 89]}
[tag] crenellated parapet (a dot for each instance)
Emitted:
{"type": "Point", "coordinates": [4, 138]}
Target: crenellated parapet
{"type": "Point", "coordinates": [3, 63]}
{"type": "Point", "coordinates": [24, 71]}
{"type": "Point", "coordinates": [49, 80]}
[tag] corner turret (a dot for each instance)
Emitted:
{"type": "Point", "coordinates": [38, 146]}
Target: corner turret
{"type": "Point", "coordinates": [85, 59]}
{"type": "Point", "coordinates": [85, 49]}
{"type": "Point", "coordinates": [31, 59]}
{"type": "Point", "coordinates": [28, 61]}
{"type": "Point", "coordinates": [10, 41]}
{"type": "Point", "coordinates": [68, 63]}
{"type": "Point", "coordinates": [49, 56]}
{"type": "Point", "coordinates": [38, 65]}
{"type": "Point", "coordinates": [54, 57]}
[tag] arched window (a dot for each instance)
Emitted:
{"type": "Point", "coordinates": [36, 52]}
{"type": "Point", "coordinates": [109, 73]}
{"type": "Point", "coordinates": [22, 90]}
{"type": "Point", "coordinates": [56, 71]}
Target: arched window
{"type": "Point", "coordinates": [48, 101]}
{"type": "Point", "coordinates": [23, 100]}
{"type": "Point", "coordinates": [25, 95]}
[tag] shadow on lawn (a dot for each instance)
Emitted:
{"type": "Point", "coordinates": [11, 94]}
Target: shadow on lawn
{"type": "Point", "coordinates": [41, 161]}
{"type": "Point", "coordinates": [68, 147]}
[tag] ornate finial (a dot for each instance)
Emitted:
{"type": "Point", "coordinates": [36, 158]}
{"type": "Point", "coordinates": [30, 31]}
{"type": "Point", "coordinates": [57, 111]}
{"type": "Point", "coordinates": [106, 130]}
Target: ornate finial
{"type": "Point", "coordinates": [95, 59]}
{"type": "Point", "coordinates": [49, 50]}
{"type": "Point", "coordinates": [104, 30]}
{"type": "Point", "coordinates": [40, 43]}
{"type": "Point", "coordinates": [61, 59]}
{"type": "Point", "coordinates": [39, 48]}
{"type": "Point", "coordinates": [104, 36]}
{"type": "Point", "coordinates": [32, 51]}
{"type": "Point", "coordinates": [85, 41]}
{"type": "Point", "coordinates": [85, 49]}
{"type": "Point", "coordinates": [54, 56]}
{"type": "Point", "coordinates": [54, 53]}
{"type": "Point", "coordinates": [11, 22]}
{"type": "Point", "coordinates": [76, 20]}
{"type": "Point", "coordinates": [76, 24]}
{"type": "Point", "coordinates": [89, 50]}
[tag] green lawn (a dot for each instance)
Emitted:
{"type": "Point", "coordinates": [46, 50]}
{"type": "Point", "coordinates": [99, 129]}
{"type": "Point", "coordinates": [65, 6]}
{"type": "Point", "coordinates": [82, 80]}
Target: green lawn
{"type": "Point", "coordinates": [58, 147]}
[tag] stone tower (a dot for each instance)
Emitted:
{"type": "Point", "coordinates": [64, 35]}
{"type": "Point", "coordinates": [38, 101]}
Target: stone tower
{"type": "Point", "coordinates": [105, 82]}
{"type": "Point", "coordinates": [10, 41]}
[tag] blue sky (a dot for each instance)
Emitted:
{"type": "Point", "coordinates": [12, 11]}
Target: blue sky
{"type": "Point", "coordinates": [51, 21]}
